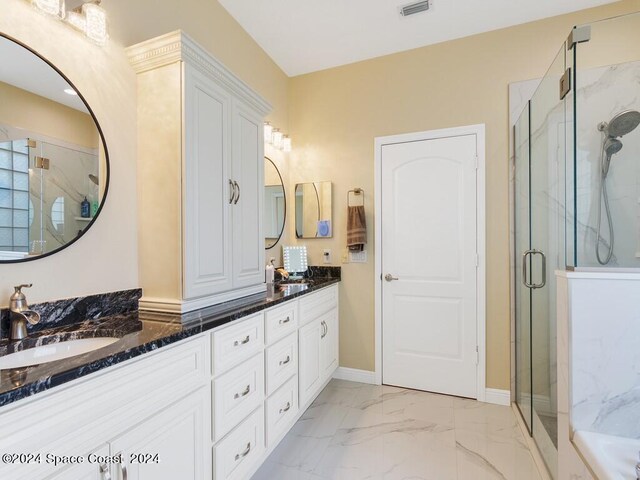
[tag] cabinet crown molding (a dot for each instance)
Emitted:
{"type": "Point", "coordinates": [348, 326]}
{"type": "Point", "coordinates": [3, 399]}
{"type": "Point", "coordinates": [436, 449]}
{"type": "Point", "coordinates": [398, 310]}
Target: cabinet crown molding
{"type": "Point", "coordinates": [177, 46]}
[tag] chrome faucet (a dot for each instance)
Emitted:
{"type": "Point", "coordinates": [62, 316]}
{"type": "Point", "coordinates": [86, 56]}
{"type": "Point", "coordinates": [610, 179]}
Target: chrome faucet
{"type": "Point", "coordinates": [20, 314]}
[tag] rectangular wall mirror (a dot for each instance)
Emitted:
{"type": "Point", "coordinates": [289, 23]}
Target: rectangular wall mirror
{"type": "Point", "coordinates": [314, 210]}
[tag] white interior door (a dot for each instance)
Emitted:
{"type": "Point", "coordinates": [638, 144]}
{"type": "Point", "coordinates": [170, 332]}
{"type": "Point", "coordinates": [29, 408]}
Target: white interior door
{"type": "Point", "coordinates": [429, 258]}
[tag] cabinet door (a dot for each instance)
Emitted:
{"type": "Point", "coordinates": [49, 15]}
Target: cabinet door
{"type": "Point", "coordinates": [96, 466]}
{"type": "Point", "coordinates": [206, 189]}
{"type": "Point", "coordinates": [329, 343]}
{"type": "Point", "coordinates": [248, 172]}
{"type": "Point", "coordinates": [171, 444]}
{"type": "Point", "coordinates": [309, 351]}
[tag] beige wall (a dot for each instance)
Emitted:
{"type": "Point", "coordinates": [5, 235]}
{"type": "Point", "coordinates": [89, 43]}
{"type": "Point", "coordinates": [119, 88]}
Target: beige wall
{"type": "Point", "coordinates": [336, 114]}
{"type": "Point", "coordinates": [27, 111]}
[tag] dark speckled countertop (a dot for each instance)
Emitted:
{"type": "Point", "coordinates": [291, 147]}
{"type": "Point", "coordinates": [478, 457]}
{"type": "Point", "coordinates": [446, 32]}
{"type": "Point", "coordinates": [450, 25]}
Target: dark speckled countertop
{"type": "Point", "coordinates": [138, 333]}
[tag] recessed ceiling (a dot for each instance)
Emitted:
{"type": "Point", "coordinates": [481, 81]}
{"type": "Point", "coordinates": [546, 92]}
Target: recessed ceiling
{"type": "Point", "coordinates": [23, 69]}
{"type": "Point", "coordinates": [304, 36]}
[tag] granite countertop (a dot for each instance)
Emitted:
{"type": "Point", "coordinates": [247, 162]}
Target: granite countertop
{"type": "Point", "coordinates": [139, 332]}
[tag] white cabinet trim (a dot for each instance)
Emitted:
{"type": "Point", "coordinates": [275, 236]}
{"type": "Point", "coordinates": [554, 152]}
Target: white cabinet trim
{"type": "Point", "coordinates": [176, 46]}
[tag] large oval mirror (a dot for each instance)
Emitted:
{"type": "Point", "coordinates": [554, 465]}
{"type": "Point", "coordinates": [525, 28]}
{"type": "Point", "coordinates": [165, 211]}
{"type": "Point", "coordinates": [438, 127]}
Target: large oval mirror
{"type": "Point", "coordinates": [54, 168]}
{"type": "Point", "coordinates": [275, 204]}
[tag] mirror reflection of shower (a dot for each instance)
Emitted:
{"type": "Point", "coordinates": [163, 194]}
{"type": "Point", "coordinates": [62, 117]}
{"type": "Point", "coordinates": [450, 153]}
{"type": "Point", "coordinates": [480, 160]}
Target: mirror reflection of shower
{"type": "Point", "coordinates": [621, 124]}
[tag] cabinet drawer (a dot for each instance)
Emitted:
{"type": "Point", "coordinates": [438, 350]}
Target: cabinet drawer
{"type": "Point", "coordinates": [315, 304]}
{"type": "Point", "coordinates": [237, 455]}
{"type": "Point", "coordinates": [236, 394]}
{"type": "Point", "coordinates": [281, 321]}
{"type": "Point", "coordinates": [282, 410]}
{"type": "Point", "coordinates": [282, 362]}
{"type": "Point", "coordinates": [236, 343]}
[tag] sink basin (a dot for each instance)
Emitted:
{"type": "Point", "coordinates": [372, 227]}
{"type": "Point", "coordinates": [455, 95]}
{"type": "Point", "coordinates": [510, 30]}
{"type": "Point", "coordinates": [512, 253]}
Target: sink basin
{"type": "Point", "coordinates": [53, 351]}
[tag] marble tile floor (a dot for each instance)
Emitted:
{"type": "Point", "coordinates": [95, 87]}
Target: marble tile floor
{"type": "Point", "coordinates": [357, 431]}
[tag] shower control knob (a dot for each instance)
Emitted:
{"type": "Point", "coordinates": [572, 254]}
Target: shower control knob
{"type": "Point", "coordinates": [389, 278]}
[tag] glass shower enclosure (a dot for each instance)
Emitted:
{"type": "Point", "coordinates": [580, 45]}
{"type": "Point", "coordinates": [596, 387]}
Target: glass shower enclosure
{"type": "Point", "coordinates": [576, 197]}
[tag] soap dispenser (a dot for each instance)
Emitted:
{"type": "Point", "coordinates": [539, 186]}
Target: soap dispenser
{"type": "Point", "coordinates": [269, 272]}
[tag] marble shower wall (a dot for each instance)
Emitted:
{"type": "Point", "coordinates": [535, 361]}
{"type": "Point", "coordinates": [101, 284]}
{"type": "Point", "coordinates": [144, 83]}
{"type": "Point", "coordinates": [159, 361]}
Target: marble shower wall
{"type": "Point", "coordinates": [604, 361]}
{"type": "Point", "coordinates": [601, 94]}
{"type": "Point", "coordinates": [67, 179]}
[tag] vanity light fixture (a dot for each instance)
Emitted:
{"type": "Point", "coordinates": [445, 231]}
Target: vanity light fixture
{"type": "Point", "coordinates": [277, 138]}
{"type": "Point", "coordinates": [286, 143]}
{"type": "Point", "coordinates": [268, 130]}
{"type": "Point", "coordinates": [273, 136]}
{"type": "Point", "coordinates": [96, 18]}
{"type": "Point", "coordinates": [52, 7]}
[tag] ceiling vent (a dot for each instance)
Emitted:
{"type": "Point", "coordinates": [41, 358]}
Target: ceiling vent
{"type": "Point", "coordinates": [413, 8]}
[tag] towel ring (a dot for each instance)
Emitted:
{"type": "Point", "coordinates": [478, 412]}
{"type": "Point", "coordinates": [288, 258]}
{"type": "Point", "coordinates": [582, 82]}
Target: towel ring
{"type": "Point", "coordinates": [357, 192]}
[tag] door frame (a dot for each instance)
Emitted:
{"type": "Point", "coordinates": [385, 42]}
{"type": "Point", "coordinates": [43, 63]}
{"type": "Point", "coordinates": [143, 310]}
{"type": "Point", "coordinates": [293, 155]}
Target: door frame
{"type": "Point", "coordinates": [379, 142]}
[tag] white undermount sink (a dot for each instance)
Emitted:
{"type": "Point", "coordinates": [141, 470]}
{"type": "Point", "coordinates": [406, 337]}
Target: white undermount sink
{"type": "Point", "coordinates": [53, 351]}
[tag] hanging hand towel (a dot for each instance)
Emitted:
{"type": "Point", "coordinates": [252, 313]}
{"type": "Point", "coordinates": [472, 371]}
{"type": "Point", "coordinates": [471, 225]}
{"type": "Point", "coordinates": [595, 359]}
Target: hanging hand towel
{"type": "Point", "coordinates": [356, 228]}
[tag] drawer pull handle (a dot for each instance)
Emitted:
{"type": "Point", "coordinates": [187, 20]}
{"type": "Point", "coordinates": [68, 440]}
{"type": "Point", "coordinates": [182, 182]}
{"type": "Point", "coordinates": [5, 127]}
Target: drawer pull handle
{"type": "Point", "coordinates": [104, 472]}
{"type": "Point", "coordinates": [245, 453]}
{"type": "Point", "coordinates": [243, 394]}
{"type": "Point", "coordinates": [242, 342]}
{"type": "Point", "coordinates": [286, 408]}
{"type": "Point", "coordinates": [325, 329]}
{"type": "Point", "coordinates": [284, 320]}
{"type": "Point", "coordinates": [285, 361]}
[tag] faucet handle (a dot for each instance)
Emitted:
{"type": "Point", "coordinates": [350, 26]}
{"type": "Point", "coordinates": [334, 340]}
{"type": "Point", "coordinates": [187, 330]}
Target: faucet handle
{"type": "Point", "coordinates": [17, 301]}
{"type": "Point", "coordinates": [18, 288]}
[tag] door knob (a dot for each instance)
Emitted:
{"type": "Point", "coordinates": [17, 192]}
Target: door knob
{"type": "Point", "coordinates": [388, 277]}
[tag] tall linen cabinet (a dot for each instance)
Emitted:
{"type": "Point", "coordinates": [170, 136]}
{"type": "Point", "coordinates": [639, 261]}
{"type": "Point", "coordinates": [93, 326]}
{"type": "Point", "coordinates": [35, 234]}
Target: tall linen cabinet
{"type": "Point", "coordinates": [200, 177]}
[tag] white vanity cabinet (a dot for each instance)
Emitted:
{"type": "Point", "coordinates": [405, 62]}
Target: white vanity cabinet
{"type": "Point", "coordinates": [318, 341]}
{"type": "Point", "coordinates": [154, 410]}
{"type": "Point", "coordinates": [200, 176]}
{"type": "Point", "coordinates": [213, 406]}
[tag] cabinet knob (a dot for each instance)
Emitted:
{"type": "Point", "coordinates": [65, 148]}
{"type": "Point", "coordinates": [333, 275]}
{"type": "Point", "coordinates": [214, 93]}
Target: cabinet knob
{"type": "Point", "coordinates": [104, 472]}
{"type": "Point", "coordinates": [285, 361]}
{"type": "Point", "coordinates": [245, 453]}
{"type": "Point", "coordinates": [244, 393]}
{"type": "Point", "coordinates": [238, 190]}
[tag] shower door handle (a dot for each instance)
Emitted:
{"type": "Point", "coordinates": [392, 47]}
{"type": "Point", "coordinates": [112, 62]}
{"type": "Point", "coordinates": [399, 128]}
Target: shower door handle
{"type": "Point", "coordinates": [525, 256]}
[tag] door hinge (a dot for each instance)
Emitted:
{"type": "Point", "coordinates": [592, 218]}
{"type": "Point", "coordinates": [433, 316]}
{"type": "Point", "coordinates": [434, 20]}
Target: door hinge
{"type": "Point", "coordinates": [477, 355]}
{"type": "Point", "coordinates": [565, 83]}
{"type": "Point", "coordinates": [476, 160]}
{"type": "Point", "coordinates": [477, 260]}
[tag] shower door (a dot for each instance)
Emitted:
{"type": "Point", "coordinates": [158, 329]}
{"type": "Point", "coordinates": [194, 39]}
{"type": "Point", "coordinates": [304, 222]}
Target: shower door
{"type": "Point", "coordinates": [540, 232]}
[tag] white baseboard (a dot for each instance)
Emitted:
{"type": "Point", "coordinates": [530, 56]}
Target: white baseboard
{"type": "Point", "coordinates": [497, 397]}
{"type": "Point", "coordinates": [355, 375]}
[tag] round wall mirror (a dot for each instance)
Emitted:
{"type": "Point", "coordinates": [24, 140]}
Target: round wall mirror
{"type": "Point", "coordinates": [54, 166]}
{"type": "Point", "coordinates": [275, 204]}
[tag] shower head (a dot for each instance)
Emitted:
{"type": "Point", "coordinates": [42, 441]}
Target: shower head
{"type": "Point", "coordinates": [611, 147]}
{"type": "Point", "coordinates": [94, 179]}
{"type": "Point", "coordinates": [621, 124]}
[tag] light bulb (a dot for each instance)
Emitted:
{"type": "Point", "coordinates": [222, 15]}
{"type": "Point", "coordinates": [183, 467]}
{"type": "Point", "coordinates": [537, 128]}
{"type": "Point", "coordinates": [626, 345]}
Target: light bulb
{"type": "Point", "coordinates": [286, 143]}
{"type": "Point", "coordinates": [277, 138]}
{"type": "Point", "coordinates": [77, 20]}
{"type": "Point", "coordinates": [52, 7]}
{"type": "Point", "coordinates": [96, 19]}
{"type": "Point", "coordinates": [268, 130]}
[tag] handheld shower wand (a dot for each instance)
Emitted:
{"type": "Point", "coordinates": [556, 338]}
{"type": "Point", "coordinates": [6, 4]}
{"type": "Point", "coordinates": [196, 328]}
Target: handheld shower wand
{"type": "Point", "coordinates": [621, 124]}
